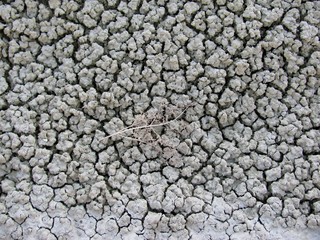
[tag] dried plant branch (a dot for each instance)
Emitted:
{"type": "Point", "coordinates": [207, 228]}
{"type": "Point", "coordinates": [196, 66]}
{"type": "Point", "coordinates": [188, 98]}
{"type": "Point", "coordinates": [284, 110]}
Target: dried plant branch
{"type": "Point", "coordinates": [149, 126]}
{"type": "Point", "coordinates": [133, 139]}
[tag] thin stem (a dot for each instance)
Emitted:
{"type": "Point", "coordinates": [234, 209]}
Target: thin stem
{"type": "Point", "coordinates": [147, 126]}
{"type": "Point", "coordinates": [133, 139]}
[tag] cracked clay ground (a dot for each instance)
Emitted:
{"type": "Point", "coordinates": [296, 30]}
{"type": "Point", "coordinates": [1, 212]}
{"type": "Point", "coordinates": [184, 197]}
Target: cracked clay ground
{"type": "Point", "coordinates": [159, 119]}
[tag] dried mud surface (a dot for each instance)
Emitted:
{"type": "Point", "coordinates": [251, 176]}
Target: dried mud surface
{"type": "Point", "coordinates": [159, 119]}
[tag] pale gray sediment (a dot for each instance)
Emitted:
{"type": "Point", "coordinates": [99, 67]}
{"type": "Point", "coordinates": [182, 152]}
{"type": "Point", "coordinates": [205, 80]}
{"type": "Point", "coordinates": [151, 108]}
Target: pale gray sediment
{"type": "Point", "coordinates": [159, 119]}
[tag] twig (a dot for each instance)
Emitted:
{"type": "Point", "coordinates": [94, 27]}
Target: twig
{"type": "Point", "coordinates": [147, 126]}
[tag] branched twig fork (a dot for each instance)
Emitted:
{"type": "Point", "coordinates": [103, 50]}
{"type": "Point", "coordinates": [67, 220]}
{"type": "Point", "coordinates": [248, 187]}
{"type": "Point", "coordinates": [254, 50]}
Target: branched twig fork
{"type": "Point", "coordinates": [130, 128]}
